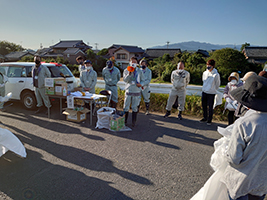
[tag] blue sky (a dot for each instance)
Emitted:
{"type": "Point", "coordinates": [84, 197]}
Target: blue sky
{"type": "Point", "coordinates": [143, 23]}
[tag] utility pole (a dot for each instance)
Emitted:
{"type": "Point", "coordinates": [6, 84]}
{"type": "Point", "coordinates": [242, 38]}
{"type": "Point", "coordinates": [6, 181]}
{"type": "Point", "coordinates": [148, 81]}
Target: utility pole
{"type": "Point", "coordinates": [41, 46]}
{"type": "Point", "coordinates": [168, 44]}
{"type": "Point", "coordinates": [96, 45]}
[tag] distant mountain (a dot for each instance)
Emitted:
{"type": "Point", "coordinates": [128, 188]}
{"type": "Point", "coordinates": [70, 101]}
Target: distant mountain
{"type": "Point", "coordinates": [194, 46]}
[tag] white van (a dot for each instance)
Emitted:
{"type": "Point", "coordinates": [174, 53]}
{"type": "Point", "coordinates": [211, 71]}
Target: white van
{"type": "Point", "coordinates": [20, 81]}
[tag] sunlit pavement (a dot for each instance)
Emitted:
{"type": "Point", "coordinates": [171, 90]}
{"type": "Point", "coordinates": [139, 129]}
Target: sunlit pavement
{"type": "Point", "coordinates": [160, 159]}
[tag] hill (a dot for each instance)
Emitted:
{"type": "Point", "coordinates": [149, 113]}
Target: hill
{"type": "Point", "coordinates": [194, 46]}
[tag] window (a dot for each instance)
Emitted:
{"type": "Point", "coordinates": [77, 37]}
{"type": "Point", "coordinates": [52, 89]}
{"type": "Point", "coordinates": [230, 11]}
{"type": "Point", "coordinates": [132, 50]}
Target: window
{"type": "Point", "coordinates": [15, 71]}
{"type": "Point", "coordinates": [122, 56]}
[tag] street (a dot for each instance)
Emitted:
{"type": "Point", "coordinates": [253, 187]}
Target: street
{"type": "Point", "coordinates": [160, 159]}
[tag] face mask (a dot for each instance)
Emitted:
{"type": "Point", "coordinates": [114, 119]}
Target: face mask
{"type": "Point", "coordinates": [37, 62]}
{"type": "Point", "coordinates": [143, 66]}
{"type": "Point", "coordinates": [134, 65]}
{"type": "Point", "coordinates": [209, 67]}
{"type": "Point", "coordinates": [81, 63]}
{"type": "Point", "coordinates": [233, 82]}
{"type": "Point", "coordinates": [88, 68]}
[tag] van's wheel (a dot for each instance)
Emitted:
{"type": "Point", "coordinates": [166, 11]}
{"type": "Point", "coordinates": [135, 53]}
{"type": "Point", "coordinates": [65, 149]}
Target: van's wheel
{"type": "Point", "coordinates": [29, 101]}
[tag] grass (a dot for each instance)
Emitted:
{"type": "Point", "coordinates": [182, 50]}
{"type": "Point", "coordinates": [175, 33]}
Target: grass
{"type": "Point", "coordinates": [158, 103]}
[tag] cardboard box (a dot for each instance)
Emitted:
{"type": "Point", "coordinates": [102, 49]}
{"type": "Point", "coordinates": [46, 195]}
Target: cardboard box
{"type": "Point", "coordinates": [50, 90]}
{"type": "Point", "coordinates": [117, 124]}
{"type": "Point", "coordinates": [75, 116]}
{"type": "Point", "coordinates": [80, 89]}
{"type": "Point", "coordinates": [59, 89]}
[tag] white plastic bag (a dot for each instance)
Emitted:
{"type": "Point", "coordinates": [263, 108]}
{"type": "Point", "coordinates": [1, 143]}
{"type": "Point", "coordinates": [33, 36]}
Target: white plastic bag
{"type": "Point", "coordinates": [214, 189]}
{"type": "Point", "coordinates": [8, 141]}
{"type": "Point", "coordinates": [103, 118]}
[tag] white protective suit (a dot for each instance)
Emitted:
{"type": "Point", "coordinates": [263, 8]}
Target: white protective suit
{"type": "Point", "coordinates": [179, 81]}
{"type": "Point", "coordinates": [111, 78]}
{"type": "Point", "coordinates": [146, 88]}
{"type": "Point", "coordinates": [89, 79]}
{"type": "Point", "coordinates": [39, 75]}
{"type": "Point", "coordinates": [132, 92]}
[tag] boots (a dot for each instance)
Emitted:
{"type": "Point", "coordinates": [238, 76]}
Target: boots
{"type": "Point", "coordinates": [126, 117]}
{"type": "Point", "coordinates": [147, 109]}
{"type": "Point", "coordinates": [134, 118]}
{"type": "Point", "coordinates": [168, 113]}
{"type": "Point", "coordinates": [180, 115]}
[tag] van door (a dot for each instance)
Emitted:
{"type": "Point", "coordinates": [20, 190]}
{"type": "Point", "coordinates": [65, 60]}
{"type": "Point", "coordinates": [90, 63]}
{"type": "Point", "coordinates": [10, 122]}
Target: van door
{"type": "Point", "coordinates": [16, 80]}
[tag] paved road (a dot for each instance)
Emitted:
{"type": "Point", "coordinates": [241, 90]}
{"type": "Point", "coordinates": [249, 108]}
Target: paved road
{"type": "Point", "coordinates": [160, 159]}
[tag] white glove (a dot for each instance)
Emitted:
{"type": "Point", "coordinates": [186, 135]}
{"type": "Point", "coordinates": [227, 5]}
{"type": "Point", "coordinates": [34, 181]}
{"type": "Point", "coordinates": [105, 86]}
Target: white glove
{"type": "Point", "coordinates": [229, 100]}
{"type": "Point", "coordinates": [235, 102]}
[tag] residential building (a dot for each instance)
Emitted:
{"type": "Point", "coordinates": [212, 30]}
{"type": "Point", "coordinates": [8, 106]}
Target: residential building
{"type": "Point", "coordinates": [257, 55]}
{"type": "Point", "coordinates": [67, 49]}
{"type": "Point", "coordinates": [18, 55]}
{"type": "Point", "coordinates": [123, 53]}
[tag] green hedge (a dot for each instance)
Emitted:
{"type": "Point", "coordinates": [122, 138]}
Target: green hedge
{"type": "Point", "coordinates": [158, 104]}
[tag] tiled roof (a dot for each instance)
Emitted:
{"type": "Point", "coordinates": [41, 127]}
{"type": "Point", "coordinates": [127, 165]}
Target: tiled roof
{"type": "Point", "coordinates": [17, 54]}
{"type": "Point", "coordinates": [70, 44]}
{"type": "Point", "coordinates": [203, 52]}
{"type": "Point", "coordinates": [131, 49]}
{"type": "Point", "coordinates": [43, 51]}
{"type": "Point", "coordinates": [155, 53]}
{"type": "Point", "coordinates": [256, 52]}
{"type": "Point", "coordinates": [72, 51]}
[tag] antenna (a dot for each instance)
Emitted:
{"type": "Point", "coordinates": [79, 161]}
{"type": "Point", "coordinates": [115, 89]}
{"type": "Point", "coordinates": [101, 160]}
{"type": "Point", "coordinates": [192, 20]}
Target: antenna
{"type": "Point", "coordinates": [96, 45]}
{"type": "Point", "coordinates": [168, 44]}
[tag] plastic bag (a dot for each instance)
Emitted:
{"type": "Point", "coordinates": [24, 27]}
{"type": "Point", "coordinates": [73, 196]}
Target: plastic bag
{"type": "Point", "coordinates": [103, 117]}
{"type": "Point", "coordinates": [8, 141]}
{"type": "Point", "coordinates": [6, 98]}
{"type": "Point", "coordinates": [214, 189]}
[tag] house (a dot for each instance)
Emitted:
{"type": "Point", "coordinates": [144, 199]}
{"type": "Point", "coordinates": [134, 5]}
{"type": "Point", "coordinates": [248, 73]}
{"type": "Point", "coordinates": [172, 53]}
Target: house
{"type": "Point", "coordinates": [257, 55]}
{"type": "Point", "coordinates": [123, 53]}
{"type": "Point", "coordinates": [152, 53]}
{"type": "Point", "coordinates": [18, 55]}
{"type": "Point", "coordinates": [67, 49]}
{"type": "Point", "coordinates": [204, 53]}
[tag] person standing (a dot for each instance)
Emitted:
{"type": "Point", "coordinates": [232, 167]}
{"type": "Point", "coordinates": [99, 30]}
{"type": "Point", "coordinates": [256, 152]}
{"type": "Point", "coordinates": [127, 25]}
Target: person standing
{"type": "Point", "coordinates": [145, 90]}
{"type": "Point", "coordinates": [234, 82]}
{"type": "Point", "coordinates": [80, 61]}
{"type": "Point", "coordinates": [245, 176]}
{"type": "Point", "coordinates": [3, 80]}
{"type": "Point", "coordinates": [88, 77]}
{"type": "Point", "coordinates": [111, 77]}
{"type": "Point", "coordinates": [40, 72]}
{"type": "Point", "coordinates": [211, 83]}
{"type": "Point", "coordinates": [134, 80]}
{"type": "Point", "coordinates": [180, 79]}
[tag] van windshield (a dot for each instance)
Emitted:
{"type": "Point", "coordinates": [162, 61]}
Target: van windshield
{"type": "Point", "coordinates": [60, 71]}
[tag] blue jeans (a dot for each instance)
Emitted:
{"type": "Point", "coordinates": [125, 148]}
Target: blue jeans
{"type": "Point", "coordinates": [249, 197]}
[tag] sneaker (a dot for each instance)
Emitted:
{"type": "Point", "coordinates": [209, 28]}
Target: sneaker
{"type": "Point", "coordinates": [168, 113]}
{"type": "Point", "coordinates": [147, 112]}
{"type": "Point", "coordinates": [208, 123]}
{"type": "Point", "coordinates": [203, 120]}
{"type": "Point", "coordinates": [180, 117]}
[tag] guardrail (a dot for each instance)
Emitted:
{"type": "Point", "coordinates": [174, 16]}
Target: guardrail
{"type": "Point", "coordinates": [160, 88]}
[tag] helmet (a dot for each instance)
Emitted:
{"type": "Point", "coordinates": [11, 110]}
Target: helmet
{"type": "Point", "coordinates": [87, 61]}
{"type": "Point", "coordinates": [109, 63]}
{"type": "Point", "coordinates": [234, 75]}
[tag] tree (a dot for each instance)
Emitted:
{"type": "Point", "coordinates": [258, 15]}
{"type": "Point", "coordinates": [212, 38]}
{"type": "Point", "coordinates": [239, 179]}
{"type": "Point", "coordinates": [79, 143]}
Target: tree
{"type": "Point", "coordinates": [8, 47]}
{"type": "Point", "coordinates": [229, 60]}
{"type": "Point", "coordinates": [243, 46]}
{"type": "Point", "coordinates": [102, 52]}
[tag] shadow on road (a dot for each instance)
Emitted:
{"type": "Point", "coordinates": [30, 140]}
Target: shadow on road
{"type": "Point", "coordinates": [35, 178]}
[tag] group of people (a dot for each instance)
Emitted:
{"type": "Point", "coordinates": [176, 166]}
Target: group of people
{"type": "Point", "coordinates": [245, 176]}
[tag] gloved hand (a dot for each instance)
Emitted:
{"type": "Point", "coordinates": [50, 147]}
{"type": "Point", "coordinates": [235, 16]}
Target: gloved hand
{"type": "Point", "coordinates": [235, 102]}
{"type": "Point", "coordinates": [229, 100]}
